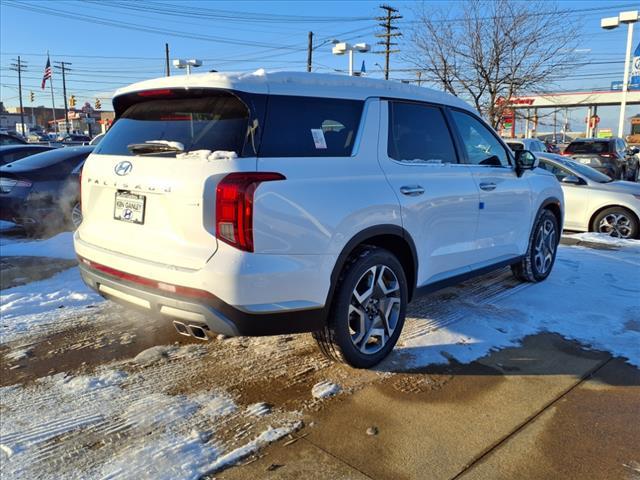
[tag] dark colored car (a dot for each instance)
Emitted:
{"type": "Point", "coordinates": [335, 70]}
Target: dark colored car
{"type": "Point", "coordinates": [74, 138]}
{"type": "Point", "coordinates": [611, 156]}
{"type": "Point", "coordinates": [11, 153]}
{"type": "Point", "coordinates": [8, 139]}
{"type": "Point", "coordinates": [42, 192]}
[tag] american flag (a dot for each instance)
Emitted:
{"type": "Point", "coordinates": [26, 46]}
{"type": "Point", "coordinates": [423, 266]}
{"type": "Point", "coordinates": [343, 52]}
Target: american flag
{"type": "Point", "coordinates": [47, 73]}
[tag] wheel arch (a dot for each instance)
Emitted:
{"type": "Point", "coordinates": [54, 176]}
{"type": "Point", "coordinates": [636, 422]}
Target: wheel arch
{"type": "Point", "coordinates": [390, 237]}
{"type": "Point", "coordinates": [593, 216]}
{"type": "Point", "coordinates": [554, 206]}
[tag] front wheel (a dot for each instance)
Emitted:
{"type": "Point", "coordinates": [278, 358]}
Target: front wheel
{"type": "Point", "coordinates": [617, 222]}
{"type": "Point", "coordinates": [368, 309]}
{"type": "Point", "coordinates": [537, 263]}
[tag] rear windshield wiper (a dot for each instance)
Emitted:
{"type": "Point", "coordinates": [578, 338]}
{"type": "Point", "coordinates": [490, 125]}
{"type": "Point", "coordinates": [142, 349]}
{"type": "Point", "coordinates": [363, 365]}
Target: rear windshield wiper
{"type": "Point", "coordinates": [155, 146]}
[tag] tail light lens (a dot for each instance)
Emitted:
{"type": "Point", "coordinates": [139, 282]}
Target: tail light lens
{"type": "Point", "coordinates": [234, 207]}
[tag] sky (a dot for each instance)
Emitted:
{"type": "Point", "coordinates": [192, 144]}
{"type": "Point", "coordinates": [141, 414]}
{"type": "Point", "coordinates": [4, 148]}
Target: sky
{"type": "Point", "coordinates": [112, 43]}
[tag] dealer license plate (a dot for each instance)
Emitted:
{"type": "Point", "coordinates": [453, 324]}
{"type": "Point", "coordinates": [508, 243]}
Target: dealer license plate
{"type": "Point", "coordinates": [129, 207]}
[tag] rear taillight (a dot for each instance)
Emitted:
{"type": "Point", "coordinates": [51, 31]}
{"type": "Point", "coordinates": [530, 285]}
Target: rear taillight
{"type": "Point", "coordinates": [565, 154]}
{"type": "Point", "coordinates": [234, 207]}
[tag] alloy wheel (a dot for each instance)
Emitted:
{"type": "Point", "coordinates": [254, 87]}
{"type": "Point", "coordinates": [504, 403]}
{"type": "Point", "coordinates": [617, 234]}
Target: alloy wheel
{"type": "Point", "coordinates": [545, 246]}
{"type": "Point", "coordinates": [76, 215]}
{"type": "Point", "coordinates": [374, 309]}
{"type": "Point", "coordinates": [617, 225]}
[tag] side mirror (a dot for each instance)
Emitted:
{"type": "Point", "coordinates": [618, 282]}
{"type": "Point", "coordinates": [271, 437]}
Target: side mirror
{"type": "Point", "coordinates": [525, 160]}
{"type": "Point", "coordinates": [572, 180]}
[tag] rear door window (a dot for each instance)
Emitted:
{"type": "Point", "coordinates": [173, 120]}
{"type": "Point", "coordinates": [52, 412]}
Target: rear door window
{"type": "Point", "coordinates": [216, 121]}
{"type": "Point", "coordinates": [310, 127]}
{"type": "Point", "coordinates": [419, 133]}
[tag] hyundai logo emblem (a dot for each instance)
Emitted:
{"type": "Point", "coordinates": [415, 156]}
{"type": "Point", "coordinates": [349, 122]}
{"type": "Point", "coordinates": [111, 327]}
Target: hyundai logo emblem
{"type": "Point", "coordinates": [123, 168]}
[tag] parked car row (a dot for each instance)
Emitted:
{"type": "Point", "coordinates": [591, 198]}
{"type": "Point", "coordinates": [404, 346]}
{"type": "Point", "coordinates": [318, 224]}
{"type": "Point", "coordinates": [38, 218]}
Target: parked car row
{"type": "Point", "coordinates": [41, 192]}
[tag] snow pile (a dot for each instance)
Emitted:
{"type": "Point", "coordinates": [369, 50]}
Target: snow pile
{"type": "Point", "coordinates": [168, 143]}
{"type": "Point", "coordinates": [85, 383]}
{"type": "Point", "coordinates": [154, 354]}
{"type": "Point", "coordinates": [17, 354]}
{"type": "Point", "coordinates": [259, 409]}
{"type": "Point", "coordinates": [208, 155]}
{"type": "Point", "coordinates": [599, 320]}
{"type": "Point", "coordinates": [325, 389]}
{"type": "Point", "coordinates": [59, 246]}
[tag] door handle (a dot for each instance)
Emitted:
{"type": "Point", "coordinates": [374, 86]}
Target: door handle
{"type": "Point", "coordinates": [412, 190]}
{"type": "Point", "coordinates": [488, 186]}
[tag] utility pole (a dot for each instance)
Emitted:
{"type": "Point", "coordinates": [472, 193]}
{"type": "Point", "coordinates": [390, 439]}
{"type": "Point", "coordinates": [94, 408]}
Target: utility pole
{"type": "Point", "coordinates": [389, 33]}
{"type": "Point", "coordinates": [166, 56]}
{"type": "Point", "coordinates": [309, 52]}
{"type": "Point", "coordinates": [63, 66]}
{"type": "Point", "coordinates": [20, 67]}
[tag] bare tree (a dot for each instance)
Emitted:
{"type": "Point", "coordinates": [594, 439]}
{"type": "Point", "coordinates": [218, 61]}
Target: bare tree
{"type": "Point", "coordinates": [493, 50]}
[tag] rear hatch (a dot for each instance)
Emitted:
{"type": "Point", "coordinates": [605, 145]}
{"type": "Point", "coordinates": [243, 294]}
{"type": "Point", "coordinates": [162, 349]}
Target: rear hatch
{"type": "Point", "coordinates": [592, 153]}
{"type": "Point", "coordinates": [148, 190]}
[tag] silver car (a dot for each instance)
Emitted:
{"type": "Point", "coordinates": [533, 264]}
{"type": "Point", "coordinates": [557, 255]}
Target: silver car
{"type": "Point", "coordinates": [593, 201]}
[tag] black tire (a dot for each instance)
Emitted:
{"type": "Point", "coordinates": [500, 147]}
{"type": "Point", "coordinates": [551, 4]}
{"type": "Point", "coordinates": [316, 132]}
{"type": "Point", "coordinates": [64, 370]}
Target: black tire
{"type": "Point", "coordinates": [336, 339]}
{"type": "Point", "coordinates": [622, 222]}
{"type": "Point", "coordinates": [533, 268]}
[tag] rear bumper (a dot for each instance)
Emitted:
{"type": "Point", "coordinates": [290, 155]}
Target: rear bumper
{"type": "Point", "coordinates": [217, 315]}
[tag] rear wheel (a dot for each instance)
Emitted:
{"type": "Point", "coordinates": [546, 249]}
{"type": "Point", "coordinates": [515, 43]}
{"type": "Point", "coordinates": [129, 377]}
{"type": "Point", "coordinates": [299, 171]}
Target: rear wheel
{"type": "Point", "coordinates": [617, 222]}
{"type": "Point", "coordinates": [76, 215]}
{"type": "Point", "coordinates": [541, 253]}
{"type": "Point", "coordinates": [368, 309]}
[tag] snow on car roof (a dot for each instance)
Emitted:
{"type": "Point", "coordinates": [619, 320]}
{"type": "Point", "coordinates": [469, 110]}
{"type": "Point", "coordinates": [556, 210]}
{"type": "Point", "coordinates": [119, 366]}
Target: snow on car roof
{"type": "Point", "coordinates": [302, 84]}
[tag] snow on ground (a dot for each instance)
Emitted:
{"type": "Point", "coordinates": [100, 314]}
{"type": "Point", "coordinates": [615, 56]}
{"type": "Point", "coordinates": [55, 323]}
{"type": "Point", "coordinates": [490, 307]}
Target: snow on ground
{"type": "Point", "coordinates": [59, 246]}
{"type": "Point", "coordinates": [604, 239]}
{"type": "Point", "coordinates": [592, 296]}
{"type": "Point", "coordinates": [123, 422]}
{"type": "Point", "coordinates": [325, 389]}
{"type": "Point", "coordinates": [39, 303]}
{"type": "Point", "coordinates": [4, 225]}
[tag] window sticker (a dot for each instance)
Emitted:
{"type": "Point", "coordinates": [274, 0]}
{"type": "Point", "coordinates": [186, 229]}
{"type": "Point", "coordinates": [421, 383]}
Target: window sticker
{"type": "Point", "coordinates": [318, 138]}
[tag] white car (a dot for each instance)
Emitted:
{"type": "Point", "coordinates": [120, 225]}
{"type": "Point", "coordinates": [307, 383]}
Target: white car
{"type": "Point", "coordinates": [531, 144]}
{"type": "Point", "coordinates": [595, 202]}
{"type": "Point", "coordinates": [259, 204]}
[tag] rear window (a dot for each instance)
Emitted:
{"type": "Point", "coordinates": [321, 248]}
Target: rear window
{"type": "Point", "coordinates": [310, 127]}
{"type": "Point", "coordinates": [217, 121]}
{"type": "Point", "coordinates": [588, 147]}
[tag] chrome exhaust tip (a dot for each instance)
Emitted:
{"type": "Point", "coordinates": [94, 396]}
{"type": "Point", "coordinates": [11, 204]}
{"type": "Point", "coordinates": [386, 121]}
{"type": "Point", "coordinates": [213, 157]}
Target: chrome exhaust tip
{"type": "Point", "coordinates": [198, 332]}
{"type": "Point", "coordinates": [181, 328]}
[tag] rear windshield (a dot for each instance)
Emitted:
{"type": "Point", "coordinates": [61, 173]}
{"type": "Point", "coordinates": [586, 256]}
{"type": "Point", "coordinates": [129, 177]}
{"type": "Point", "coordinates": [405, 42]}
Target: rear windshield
{"type": "Point", "coordinates": [588, 147]}
{"type": "Point", "coordinates": [217, 121]}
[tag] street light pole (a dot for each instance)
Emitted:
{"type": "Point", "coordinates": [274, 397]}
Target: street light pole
{"type": "Point", "coordinates": [340, 48]}
{"type": "Point", "coordinates": [610, 23]}
{"type": "Point", "coordinates": [625, 80]}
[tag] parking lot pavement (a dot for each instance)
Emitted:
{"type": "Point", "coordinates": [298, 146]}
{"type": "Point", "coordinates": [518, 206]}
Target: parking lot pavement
{"type": "Point", "coordinates": [547, 409]}
{"type": "Point", "coordinates": [476, 388]}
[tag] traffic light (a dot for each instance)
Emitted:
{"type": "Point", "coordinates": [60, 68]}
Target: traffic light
{"type": "Point", "coordinates": [98, 104]}
{"type": "Point", "coordinates": [72, 101]}
{"type": "Point", "coordinates": [32, 97]}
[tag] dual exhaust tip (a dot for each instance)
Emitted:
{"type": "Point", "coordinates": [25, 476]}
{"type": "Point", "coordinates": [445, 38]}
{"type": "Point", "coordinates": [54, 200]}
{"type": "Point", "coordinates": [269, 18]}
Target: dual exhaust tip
{"type": "Point", "coordinates": [196, 331]}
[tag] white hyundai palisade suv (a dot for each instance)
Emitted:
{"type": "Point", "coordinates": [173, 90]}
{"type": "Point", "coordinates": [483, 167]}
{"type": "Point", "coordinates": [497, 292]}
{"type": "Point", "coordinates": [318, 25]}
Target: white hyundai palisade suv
{"type": "Point", "coordinates": [277, 203]}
